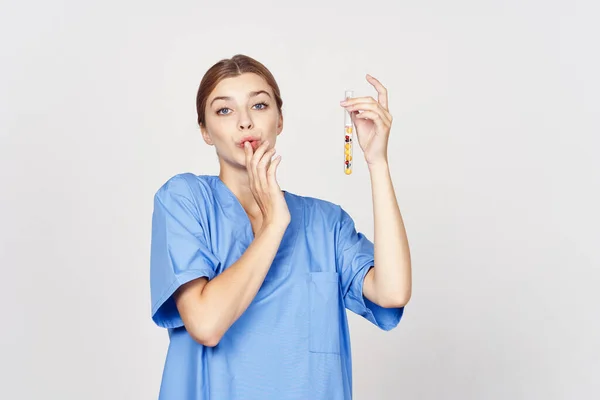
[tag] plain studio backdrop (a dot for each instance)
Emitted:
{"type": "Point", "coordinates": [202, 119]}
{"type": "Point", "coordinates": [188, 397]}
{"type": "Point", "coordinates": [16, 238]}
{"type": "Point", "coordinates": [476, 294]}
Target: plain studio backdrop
{"type": "Point", "coordinates": [493, 152]}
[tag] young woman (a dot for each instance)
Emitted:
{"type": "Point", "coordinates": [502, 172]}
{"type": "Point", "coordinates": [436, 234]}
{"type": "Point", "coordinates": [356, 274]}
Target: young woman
{"type": "Point", "coordinates": [252, 282]}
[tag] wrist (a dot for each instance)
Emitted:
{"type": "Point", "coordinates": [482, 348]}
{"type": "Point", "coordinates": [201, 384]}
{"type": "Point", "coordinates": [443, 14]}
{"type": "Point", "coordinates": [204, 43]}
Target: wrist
{"type": "Point", "coordinates": [274, 228]}
{"type": "Point", "coordinates": [378, 166]}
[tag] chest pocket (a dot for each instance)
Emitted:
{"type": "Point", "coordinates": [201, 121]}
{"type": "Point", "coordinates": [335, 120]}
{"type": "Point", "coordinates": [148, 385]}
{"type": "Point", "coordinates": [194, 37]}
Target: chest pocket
{"type": "Point", "coordinates": [324, 312]}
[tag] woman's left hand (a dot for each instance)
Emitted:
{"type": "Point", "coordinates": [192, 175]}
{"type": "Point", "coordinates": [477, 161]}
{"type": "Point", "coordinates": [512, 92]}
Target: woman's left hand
{"type": "Point", "coordinates": [372, 124]}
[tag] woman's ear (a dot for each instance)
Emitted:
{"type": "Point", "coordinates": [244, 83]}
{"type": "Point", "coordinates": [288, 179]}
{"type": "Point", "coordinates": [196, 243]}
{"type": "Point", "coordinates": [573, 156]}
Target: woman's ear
{"type": "Point", "coordinates": [205, 135]}
{"type": "Point", "coordinates": [280, 124]}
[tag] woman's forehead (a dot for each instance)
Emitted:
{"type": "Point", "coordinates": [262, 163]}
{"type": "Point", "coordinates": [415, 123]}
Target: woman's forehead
{"type": "Point", "coordinates": [240, 86]}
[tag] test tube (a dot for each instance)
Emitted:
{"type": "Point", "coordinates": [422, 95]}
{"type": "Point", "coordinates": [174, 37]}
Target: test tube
{"type": "Point", "coordinates": [348, 136]}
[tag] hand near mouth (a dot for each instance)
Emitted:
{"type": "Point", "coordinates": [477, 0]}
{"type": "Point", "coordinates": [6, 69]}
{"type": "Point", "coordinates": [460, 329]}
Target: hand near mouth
{"type": "Point", "coordinates": [254, 141]}
{"type": "Point", "coordinates": [263, 184]}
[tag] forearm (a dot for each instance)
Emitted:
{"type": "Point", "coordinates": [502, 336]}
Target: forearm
{"type": "Point", "coordinates": [392, 277]}
{"type": "Point", "coordinates": [228, 295]}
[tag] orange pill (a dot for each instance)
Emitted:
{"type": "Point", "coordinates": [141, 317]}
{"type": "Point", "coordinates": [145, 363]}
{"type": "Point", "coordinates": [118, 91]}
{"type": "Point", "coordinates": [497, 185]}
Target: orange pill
{"type": "Point", "coordinates": [348, 171]}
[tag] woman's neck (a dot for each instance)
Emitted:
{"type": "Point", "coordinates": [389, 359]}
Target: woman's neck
{"type": "Point", "coordinates": [237, 181]}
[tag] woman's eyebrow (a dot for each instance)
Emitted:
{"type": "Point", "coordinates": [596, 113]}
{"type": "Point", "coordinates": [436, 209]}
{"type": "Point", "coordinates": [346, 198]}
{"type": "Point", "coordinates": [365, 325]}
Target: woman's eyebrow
{"type": "Point", "coordinates": [252, 94]}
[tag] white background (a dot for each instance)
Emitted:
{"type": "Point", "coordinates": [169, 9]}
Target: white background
{"type": "Point", "coordinates": [494, 157]}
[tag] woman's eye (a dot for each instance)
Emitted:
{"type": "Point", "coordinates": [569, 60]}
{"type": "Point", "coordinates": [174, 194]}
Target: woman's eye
{"type": "Point", "coordinates": [265, 105]}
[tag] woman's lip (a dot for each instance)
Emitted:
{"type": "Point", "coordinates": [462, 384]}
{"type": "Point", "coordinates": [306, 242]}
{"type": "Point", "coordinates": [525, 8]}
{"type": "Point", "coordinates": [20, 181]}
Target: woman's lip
{"type": "Point", "coordinates": [254, 143]}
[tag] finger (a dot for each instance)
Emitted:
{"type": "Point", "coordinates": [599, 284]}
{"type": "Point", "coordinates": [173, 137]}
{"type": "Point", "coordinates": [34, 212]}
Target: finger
{"type": "Point", "coordinates": [262, 166]}
{"type": "Point", "coordinates": [368, 100]}
{"type": "Point", "coordinates": [265, 160]}
{"type": "Point", "coordinates": [385, 115]}
{"type": "Point", "coordinates": [248, 154]}
{"type": "Point", "coordinates": [271, 173]}
{"type": "Point", "coordinates": [372, 115]}
{"type": "Point", "coordinates": [257, 156]}
{"type": "Point", "coordinates": [381, 91]}
{"type": "Point", "coordinates": [364, 99]}
{"type": "Point", "coordinates": [259, 182]}
{"type": "Point", "coordinates": [266, 157]}
{"type": "Point", "coordinates": [259, 152]}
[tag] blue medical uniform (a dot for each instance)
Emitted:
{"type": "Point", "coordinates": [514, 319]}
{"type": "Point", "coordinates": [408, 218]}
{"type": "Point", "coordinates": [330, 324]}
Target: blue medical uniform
{"type": "Point", "coordinates": [292, 342]}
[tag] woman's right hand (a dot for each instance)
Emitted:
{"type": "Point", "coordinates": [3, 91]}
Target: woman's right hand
{"type": "Point", "coordinates": [264, 186]}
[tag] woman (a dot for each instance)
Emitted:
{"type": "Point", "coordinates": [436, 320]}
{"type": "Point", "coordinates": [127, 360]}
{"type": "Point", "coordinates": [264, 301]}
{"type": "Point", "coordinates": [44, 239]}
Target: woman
{"type": "Point", "coordinates": [251, 281]}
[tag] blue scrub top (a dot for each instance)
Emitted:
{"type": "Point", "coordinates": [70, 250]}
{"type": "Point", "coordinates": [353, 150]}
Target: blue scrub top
{"type": "Point", "coordinates": [293, 340]}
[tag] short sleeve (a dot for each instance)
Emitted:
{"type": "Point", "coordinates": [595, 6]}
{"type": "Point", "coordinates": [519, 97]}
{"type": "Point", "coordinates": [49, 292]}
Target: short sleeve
{"type": "Point", "coordinates": [179, 252]}
{"type": "Point", "coordinates": [355, 256]}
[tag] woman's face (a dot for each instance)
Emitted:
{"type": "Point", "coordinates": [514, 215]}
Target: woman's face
{"type": "Point", "coordinates": [240, 109]}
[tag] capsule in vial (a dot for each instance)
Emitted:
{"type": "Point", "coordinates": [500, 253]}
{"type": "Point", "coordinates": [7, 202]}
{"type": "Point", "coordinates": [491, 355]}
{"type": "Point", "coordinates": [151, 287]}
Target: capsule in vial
{"type": "Point", "coordinates": [348, 136]}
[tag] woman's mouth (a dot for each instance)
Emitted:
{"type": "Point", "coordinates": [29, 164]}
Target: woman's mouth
{"type": "Point", "coordinates": [254, 143]}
